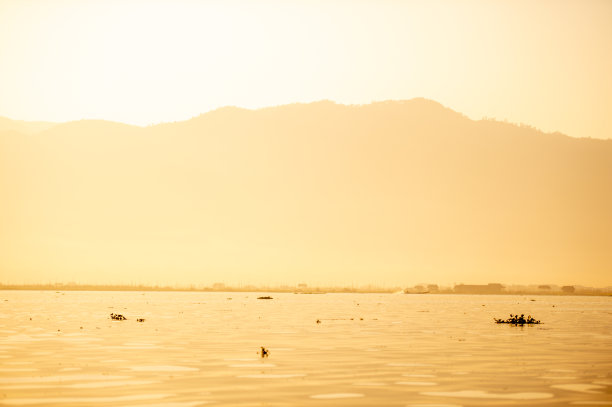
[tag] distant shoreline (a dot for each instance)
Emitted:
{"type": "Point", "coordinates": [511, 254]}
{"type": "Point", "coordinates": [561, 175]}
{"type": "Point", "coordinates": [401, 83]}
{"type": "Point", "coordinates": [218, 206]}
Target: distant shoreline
{"type": "Point", "coordinates": [580, 291]}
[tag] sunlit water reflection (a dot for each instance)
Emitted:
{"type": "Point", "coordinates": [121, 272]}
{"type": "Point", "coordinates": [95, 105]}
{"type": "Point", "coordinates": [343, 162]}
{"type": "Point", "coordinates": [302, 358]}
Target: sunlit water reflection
{"type": "Point", "coordinates": [368, 350]}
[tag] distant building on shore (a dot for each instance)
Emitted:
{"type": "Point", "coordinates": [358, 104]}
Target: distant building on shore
{"type": "Point", "coordinates": [568, 289]}
{"type": "Point", "coordinates": [491, 288]}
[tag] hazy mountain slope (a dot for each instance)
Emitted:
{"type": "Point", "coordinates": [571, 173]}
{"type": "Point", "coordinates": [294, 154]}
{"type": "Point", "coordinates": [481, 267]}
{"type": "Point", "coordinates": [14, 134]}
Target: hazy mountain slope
{"type": "Point", "coordinates": [23, 126]}
{"type": "Point", "coordinates": [402, 191]}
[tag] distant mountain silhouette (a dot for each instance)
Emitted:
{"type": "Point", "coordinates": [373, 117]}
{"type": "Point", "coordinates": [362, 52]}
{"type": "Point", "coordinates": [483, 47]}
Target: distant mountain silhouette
{"type": "Point", "coordinates": [390, 191]}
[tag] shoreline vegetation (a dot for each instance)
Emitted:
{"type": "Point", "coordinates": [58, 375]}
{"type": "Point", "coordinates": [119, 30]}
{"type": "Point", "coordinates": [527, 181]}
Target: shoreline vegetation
{"type": "Point", "coordinates": [492, 288]}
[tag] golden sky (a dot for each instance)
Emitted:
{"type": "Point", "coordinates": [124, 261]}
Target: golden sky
{"type": "Point", "coordinates": [544, 63]}
{"type": "Point", "coordinates": [384, 193]}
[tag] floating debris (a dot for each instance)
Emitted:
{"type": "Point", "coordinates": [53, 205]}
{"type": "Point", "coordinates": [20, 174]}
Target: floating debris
{"type": "Point", "coordinates": [267, 297]}
{"type": "Point", "coordinates": [140, 320]}
{"type": "Point", "coordinates": [264, 352]}
{"type": "Point", "coordinates": [318, 321]}
{"type": "Point", "coordinates": [517, 320]}
{"type": "Point", "coordinates": [117, 317]}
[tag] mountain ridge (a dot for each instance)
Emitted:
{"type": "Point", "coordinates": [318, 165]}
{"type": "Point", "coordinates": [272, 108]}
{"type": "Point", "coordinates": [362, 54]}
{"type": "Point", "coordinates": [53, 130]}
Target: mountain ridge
{"type": "Point", "coordinates": [406, 191]}
{"type": "Point", "coordinates": [433, 106]}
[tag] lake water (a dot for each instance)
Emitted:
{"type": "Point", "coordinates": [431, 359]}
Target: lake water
{"type": "Point", "coordinates": [197, 349]}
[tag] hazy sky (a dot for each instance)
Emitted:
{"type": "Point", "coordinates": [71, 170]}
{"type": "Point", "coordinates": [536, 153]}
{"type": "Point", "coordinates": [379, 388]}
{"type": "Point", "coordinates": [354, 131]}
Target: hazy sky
{"type": "Point", "coordinates": [544, 63]}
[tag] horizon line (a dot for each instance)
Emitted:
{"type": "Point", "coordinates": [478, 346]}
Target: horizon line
{"type": "Point", "coordinates": [457, 289]}
{"type": "Point", "coordinates": [303, 283]}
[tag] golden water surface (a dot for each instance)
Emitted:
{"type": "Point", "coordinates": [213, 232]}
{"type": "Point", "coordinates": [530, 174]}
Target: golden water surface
{"type": "Point", "coordinates": [62, 349]}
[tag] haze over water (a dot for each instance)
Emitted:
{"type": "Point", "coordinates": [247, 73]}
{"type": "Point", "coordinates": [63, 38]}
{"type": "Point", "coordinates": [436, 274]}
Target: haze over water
{"type": "Point", "coordinates": [421, 144]}
{"type": "Point", "coordinates": [61, 348]}
{"type": "Point", "coordinates": [330, 142]}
